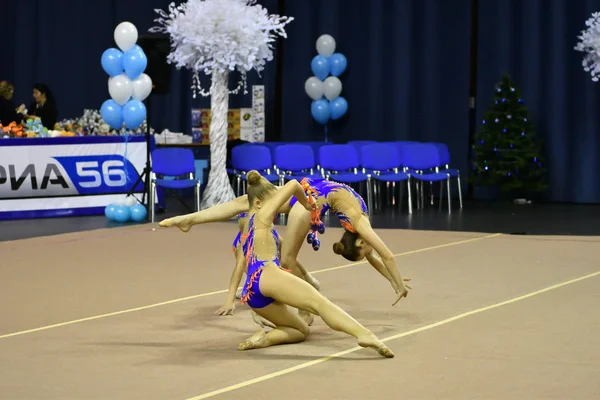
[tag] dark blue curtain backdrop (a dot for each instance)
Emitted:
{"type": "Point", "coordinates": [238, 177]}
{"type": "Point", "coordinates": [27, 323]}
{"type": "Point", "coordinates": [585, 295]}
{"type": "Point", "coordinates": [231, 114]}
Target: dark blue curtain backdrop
{"type": "Point", "coordinates": [407, 75]}
{"type": "Point", "coordinates": [60, 42]}
{"type": "Point", "coordinates": [533, 40]}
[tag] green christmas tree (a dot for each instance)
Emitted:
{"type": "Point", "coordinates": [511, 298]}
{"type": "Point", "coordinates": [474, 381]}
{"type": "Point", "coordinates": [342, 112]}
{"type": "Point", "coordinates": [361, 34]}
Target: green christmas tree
{"type": "Point", "coordinates": [506, 153]}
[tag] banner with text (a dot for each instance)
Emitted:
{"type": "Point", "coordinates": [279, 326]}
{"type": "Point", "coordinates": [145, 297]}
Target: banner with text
{"type": "Point", "coordinates": [69, 176]}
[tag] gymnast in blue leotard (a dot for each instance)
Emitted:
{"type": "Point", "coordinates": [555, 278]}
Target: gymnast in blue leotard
{"type": "Point", "coordinates": [359, 240]}
{"type": "Point", "coordinates": [251, 291]}
{"type": "Point", "coordinates": [269, 289]}
{"type": "Point", "coordinates": [343, 201]}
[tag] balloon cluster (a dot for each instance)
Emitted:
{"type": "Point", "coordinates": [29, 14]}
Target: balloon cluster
{"type": "Point", "coordinates": [127, 210]}
{"type": "Point", "coordinates": [128, 85]}
{"type": "Point", "coordinates": [332, 106]}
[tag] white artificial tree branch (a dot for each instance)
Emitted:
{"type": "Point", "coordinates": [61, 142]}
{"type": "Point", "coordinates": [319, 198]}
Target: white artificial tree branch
{"type": "Point", "coordinates": [590, 43]}
{"type": "Point", "coordinates": [209, 35]}
{"type": "Point", "coordinates": [218, 37]}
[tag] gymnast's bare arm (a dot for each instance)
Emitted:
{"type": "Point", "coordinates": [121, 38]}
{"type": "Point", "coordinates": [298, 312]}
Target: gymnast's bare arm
{"type": "Point", "coordinates": [364, 229]}
{"type": "Point", "coordinates": [376, 263]}
{"type": "Point", "coordinates": [283, 196]}
{"type": "Point", "coordinates": [236, 277]}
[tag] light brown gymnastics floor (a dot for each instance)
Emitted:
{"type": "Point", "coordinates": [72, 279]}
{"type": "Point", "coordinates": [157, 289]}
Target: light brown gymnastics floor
{"type": "Point", "coordinates": [127, 314]}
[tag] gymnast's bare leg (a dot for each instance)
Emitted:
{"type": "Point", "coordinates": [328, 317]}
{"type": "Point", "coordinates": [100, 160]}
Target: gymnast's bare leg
{"type": "Point", "coordinates": [290, 328]}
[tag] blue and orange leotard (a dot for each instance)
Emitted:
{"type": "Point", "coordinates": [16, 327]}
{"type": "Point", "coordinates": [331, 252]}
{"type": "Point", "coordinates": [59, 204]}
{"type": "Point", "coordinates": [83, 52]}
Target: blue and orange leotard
{"type": "Point", "coordinates": [238, 239]}
{"type": "Point", "coordinates": [257, 259]}
{"type": "Point", "coordinates": [242, 220]}
{"type": "Point", "coordinates": [341, 199]}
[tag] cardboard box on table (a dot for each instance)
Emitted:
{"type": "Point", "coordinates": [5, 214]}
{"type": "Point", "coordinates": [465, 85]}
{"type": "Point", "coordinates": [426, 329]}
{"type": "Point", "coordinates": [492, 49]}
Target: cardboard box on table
{"type": "Point", "coordinates": [233, 125]}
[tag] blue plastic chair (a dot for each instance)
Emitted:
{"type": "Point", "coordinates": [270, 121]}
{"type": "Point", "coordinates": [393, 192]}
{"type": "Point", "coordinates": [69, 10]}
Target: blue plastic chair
{"type": "Point", "coordinates": [316, 146]}
{"type": "Point", "coordinates": [421, 162]}
{"type": "Point", "coordinates": [358, 145]}
{"type": "Point", "coordinates": [246, 158]}
{"type": "Point", "coordinates": [231, 170]}
{"type": "Point", "coordinates": [383, 163]}
{"type": "Point", "coordinates": [173, 162]}
{"type": "Point", "coordinates": [272, 146]}
{"type": "Point", "coordinates": [295, 161]}
{"type": "Point", "coordinates": [398, 146]}
{"type": "Point", "coordinates": [339, 162]}
{"type": "Point", "coordinates": [445, 162]}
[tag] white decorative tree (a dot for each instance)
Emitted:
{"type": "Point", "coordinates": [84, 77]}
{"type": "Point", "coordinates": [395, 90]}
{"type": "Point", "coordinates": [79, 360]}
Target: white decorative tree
{"type": "Point", "coordinates": [589, 43]}
{"type": "Point", "coordinates": [218, 37]}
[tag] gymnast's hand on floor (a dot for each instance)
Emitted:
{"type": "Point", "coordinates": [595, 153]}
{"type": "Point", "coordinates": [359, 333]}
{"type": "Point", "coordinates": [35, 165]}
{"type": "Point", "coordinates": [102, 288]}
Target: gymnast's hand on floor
{"type": "Point", "coordinates": [180, 222]}
{"type": "Point", "coordinates": [403, 291]}
{"type": "Point", "coordinates": [227, 309]}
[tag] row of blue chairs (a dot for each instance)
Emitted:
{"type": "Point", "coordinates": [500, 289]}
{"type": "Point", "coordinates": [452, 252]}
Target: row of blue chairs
{"type": "Point", "coordinates": [354, 162]}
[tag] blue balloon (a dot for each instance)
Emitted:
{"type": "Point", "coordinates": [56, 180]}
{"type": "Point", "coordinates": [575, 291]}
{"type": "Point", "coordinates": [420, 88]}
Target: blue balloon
{"type": "Point", "coordinates": [138, 212]}
{"type": "Point", "coordinates": [134, 113]}
{"type": "Point", "coordinates": [121, 213]}
{"type": "Point", "coordinates": [337, 64]}
{"type": "Point", "coordinates": [109, 211]}
{"type": "Point", "coordinates": [320, 67]}
{"type": "Point", "coordinates": [338, 107]}
{"type": "Point", "coordinates": [112, 61]}
{"type": "Point", "coordinates": [112, 113]}
{"type": "Point", "coordinates": [320, 111]}
{"type": "Point", "coordinates": [135, 62]}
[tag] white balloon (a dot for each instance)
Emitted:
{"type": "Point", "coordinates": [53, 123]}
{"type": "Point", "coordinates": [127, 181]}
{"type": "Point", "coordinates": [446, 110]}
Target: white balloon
{"type": "Point", "coordinates": [314, 88]}
{"type": "Point", "coordinates": [332, 87]}
{"type": "Point", "coordinates": [326, 45]}
{"type": "Point", "coordinates": [129, 201]}
{"type": "Point", "coordinates": [142, 87]}
{"type": "Point", "coordinates": [120, 88]}
{"type": "Point", "coordinates": [126, 35]}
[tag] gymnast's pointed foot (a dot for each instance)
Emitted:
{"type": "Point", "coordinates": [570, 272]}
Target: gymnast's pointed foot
{"type": "Point", "coordinates": [256, 341]}
{"type": "Point", "coordinates": [182, 222]}
{"type": "Point", "coordinates": [377, 345]}
{"type": "Point", "coordinates": [238, 294]}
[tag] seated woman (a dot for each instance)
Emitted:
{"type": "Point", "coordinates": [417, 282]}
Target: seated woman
{"type": "Point", "coordinates": [43, 106]}
{"type": "Point", "coordinates": [8, 111]}
{"type": "Point", "coordinates": [269, 289]}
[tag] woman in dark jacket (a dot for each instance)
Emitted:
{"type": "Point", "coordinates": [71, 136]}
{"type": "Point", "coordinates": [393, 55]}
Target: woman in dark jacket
{"type": "Point", "coordinates": [8, 111]}
{"type": "Point", "coordinates": [43, 106]}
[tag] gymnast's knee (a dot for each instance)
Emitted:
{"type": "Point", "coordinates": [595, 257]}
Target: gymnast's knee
{"type": "Point", "coordinates": [314, 303]}
{"type": "Point", "coordinates": [290, 264]}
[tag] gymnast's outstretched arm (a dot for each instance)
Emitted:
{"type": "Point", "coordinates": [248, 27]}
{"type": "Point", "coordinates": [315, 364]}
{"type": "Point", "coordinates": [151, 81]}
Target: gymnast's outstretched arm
{"type": "Point", "coordinates": [282, 198]}
{"type": "Point", "coordinates": [236, 277]}
{"type": "Point", "coordinates": [364, 229]}
{"type": "Point", "coordinates": [376, 263]}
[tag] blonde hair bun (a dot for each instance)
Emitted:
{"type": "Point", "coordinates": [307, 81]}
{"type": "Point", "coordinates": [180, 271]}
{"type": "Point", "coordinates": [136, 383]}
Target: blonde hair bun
{"type": "Point", "coordinates": [338, 247]}
{"type": "Point", "coordinates": [253, 177]}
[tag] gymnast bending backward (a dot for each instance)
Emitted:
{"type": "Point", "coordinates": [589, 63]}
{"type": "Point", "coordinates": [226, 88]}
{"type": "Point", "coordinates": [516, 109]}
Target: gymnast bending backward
{"type": "Point", "coordinates": [269, 289]}
{"type": "Point", "coordinates": [358, 241]}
